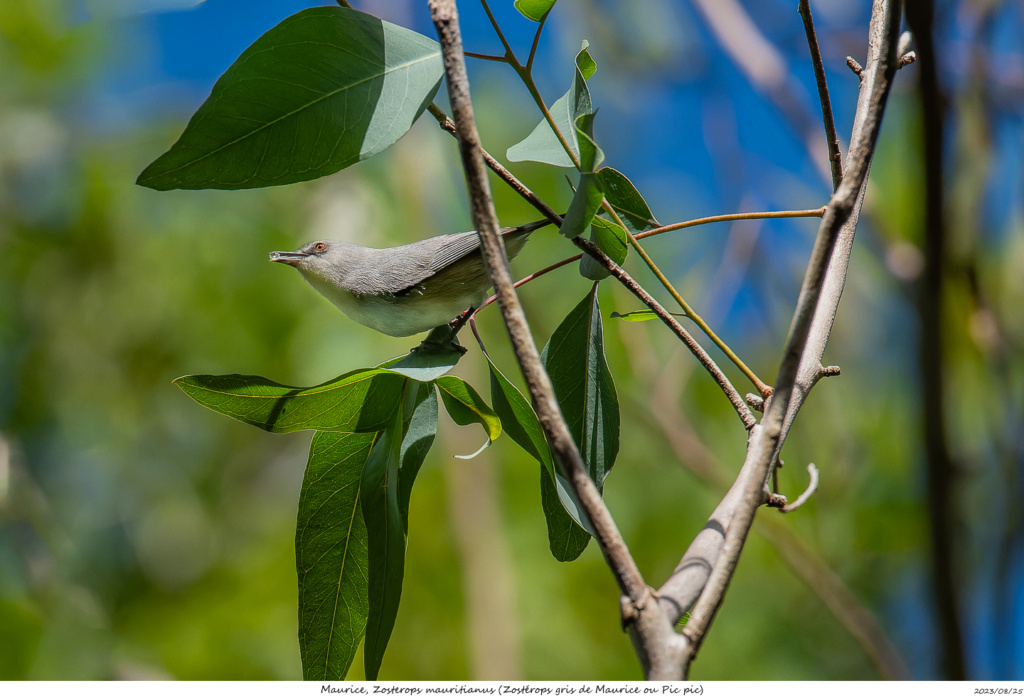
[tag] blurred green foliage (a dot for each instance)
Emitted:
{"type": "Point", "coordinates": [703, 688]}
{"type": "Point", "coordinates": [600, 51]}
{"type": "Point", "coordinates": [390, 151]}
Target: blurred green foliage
{"type": "Point", "coordinates": [143, 537]}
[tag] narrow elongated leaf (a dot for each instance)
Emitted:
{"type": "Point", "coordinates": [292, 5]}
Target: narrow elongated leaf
{"type": "Point", "coordinates": [575, 360]}
{"type": "Point", "coordinates": [567, 539]}
{"type": "Point", "coordinates": [466, 406]}
{"type": "Point", "coordinates": [535, 10]}
{"type": "Point", "coordinates": [542, 145]}
{"type": "Point", "coordinates": [386, 542]}
{"type": "Point", "coordinates": [626, 200]}
{"type": "Point", "coordinates": [331, 555]}
{"type": "Point", "coordinates": [518, 419]}
{"type": "Point", "coordinates": [324, 89]}
{"type": "Point", "coordinates": [361, 400]}
{"type": "Point", "coordinates": [568, 527]}
{"type": "Point", "coordinates": [420, 427]}
{"type": "Point", "coordinates": [387, 481]}
{"type": "Point", "coordinates": [641, 315]}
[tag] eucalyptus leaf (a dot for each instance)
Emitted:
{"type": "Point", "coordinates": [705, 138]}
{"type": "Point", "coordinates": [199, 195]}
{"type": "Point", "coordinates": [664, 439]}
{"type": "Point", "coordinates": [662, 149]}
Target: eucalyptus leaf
{"type": "Point", "coordinates": [574, 358]}
{"type": "Point", "coordinates": [611, 239]}
{"type": "Point", "coordinates": [465, 405]}
{"type": "Point", "coordinates": [386, 542]}
{"type": "Point", "coordinates": [359, 401]}
{"type": "Point", "coordinates": [535, 10]}
{"type": "Point", "coordinates": [542, 145]}
{"type": "Point", "coordinates": [331, 555]}
{"type": "Point", "coordinates": [589, 194]}
{"type": "Point", "coordinates": [626, 200]}
{"type": "Point", "coordinates": [568, 527]}
{"type": "Point", "coordinates": [324, 89]}
{"type": "Point", "coordinates": [641, 315]}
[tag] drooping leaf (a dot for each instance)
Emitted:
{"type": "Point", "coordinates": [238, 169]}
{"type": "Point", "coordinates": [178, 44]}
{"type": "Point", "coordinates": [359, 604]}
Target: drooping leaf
{"type": "Point", "coordinates": [611, 239]}
{"type": "Point", "coordinates": [535, 10]}
{"type": "Point", "coordinates": [419, 427]}
{"type": "Point", "coordinates": [324, 89]}
{"type": "Point", "coordinates": [387, 481]}
{"type": "Point", "coordinates": [589, 194]}
{"type": "Point", "coordinates": [626, 200]}
{"type": "Point", "coordinates": [568, 527]}
{"type": "Point", "coordinates": [542, 145]}
{"type": "Point", "coordinates": [466, 406]}
{"type": "Point", "coordinates": [331, 555]}
{"type": "Point", "coordinates": [359, 401]}
{"type": "Point", "coordinates": [386, 542]}
{"type": "Point", "coordinates": [575, 360]}
{"type": "Point", "coordinates": [518, 419]}
{"type": "Point", "coordinates": [567, 539]}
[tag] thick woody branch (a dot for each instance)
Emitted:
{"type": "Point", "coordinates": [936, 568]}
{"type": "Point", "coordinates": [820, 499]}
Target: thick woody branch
{"type": "Point", "coordinates": [656, 642]}
{"type": "Point", "coordinates": [708, 565]}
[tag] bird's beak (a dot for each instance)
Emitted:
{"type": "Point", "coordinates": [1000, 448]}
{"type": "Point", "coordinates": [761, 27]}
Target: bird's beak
{"type": "Point", "coordinates": [289, 258]}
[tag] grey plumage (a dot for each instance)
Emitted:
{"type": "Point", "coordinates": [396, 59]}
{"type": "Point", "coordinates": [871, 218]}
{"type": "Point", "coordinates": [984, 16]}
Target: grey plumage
{"type": "Point", "coordinates": [407, 289]}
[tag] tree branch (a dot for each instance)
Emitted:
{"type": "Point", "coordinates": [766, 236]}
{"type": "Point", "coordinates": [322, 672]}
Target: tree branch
{"type": "Point", "coordinates": [654, 638]}
{"type": "Point", "coordinates": [708, 565]}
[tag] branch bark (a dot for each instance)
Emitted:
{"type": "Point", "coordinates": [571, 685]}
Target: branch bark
{"type": "Point", "coordinates": [654, 639]}
{"type": "Point", "coordinates": [706, 570]}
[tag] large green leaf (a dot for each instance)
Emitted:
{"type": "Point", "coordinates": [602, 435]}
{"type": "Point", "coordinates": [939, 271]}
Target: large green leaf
{"type": "Point", "coordinates": [331, 555]}
{"type": "Point", "coordinates": [386, 542]}
{"type": "Point", "coordinates": [387, 481]}
{"type": "Point", "coordinates": [535, 10]}
{"type": "Point", "coordinates": [324, 89]}
{"type": "Point", "coordinates": [542, 145]}
{"type": "Point", "coordinates": [361, 400]}
{"type": "Point", "coordinates": [568, 527]}
{"type": "Point", "coordinates": [575, 360]}
{"type": "Point", "coordinates": [465, 405]}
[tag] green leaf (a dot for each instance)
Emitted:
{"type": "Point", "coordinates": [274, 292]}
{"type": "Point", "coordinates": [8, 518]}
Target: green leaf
{"type": "Point", "coordinates": [324, 89]}
{"type": "Point", "coordinates": [426, 366]}
{"type": "Point", "coordinates": [419, 428]}
{"type": "Point", "coordinates": [518, 419]}
{"type": "Point", "coordinates": [567, 539]}
{"type": "Point", "coordinates": [626, 200]}
{"type": "Point", "coordinates": [331, 555]}
{"type": "Point", "coordinates": [575, 360]}
{"type": "Point", "coordinates": [641, 315]}
{"type": "Point", "coordinates": [387, 480]}
{"type": "Point", "coordinates": [589, 194]}
{"type": "Point", "coordinates": [542, 145]}
{"type": "Point", "coordinates": [562, 510]}
{"type": "Point", "coordinates": [611, 238]}
{"type": "Point", "coordinates": [386, 542]}
{"type": "Point", "coordinates": [535, 10]}
{"type": "Point", "coordinates": [466, 406]}
{"type": "Point", "coordinates": [359, 401]}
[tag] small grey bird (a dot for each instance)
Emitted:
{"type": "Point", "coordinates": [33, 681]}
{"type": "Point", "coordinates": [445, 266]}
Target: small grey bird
{"type": "Point", "coordinates": [404, 290]}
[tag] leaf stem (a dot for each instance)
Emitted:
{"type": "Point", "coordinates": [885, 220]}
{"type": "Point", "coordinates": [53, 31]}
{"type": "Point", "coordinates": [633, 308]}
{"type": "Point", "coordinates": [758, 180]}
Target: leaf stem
{"type": "Point", "coordinates": [487, 57]}
{"type": "Point", "coordinates": [764, 389]}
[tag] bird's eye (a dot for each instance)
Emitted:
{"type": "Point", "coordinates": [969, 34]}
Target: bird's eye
{"type": "Point", "coordinates": [320, 247]}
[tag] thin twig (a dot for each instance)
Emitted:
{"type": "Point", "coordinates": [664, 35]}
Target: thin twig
{"type": "Point", "coordinates": [811, 487]}
{"type": "Point", "coordinates": [762, 388]}
{"type": "Point", "coordinates": [835, 155]}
